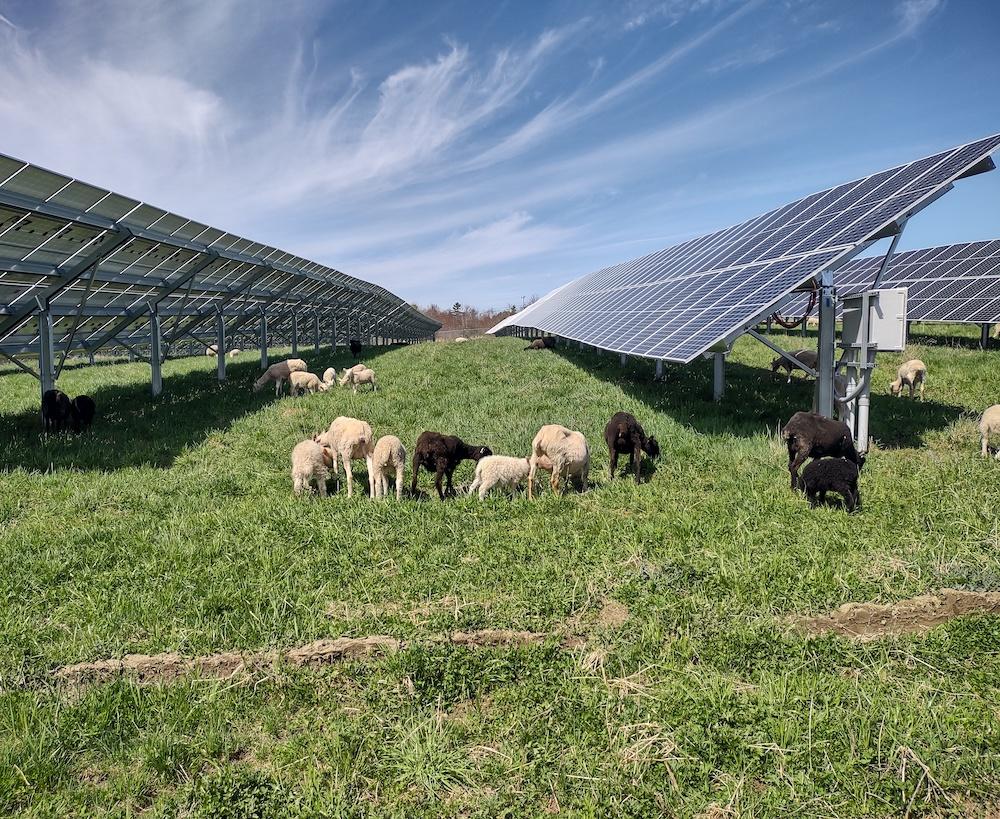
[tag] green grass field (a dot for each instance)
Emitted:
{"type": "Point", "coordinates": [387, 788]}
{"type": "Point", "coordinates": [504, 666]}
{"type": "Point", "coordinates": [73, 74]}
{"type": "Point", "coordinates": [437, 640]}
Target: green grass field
{"type": "Point", "coordinates": [171, 527]}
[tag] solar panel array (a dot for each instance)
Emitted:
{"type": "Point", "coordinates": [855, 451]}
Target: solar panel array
{"type": "Point", "coordinates": [677, 303]}
{"type": "Point", "coordinates": [101, 263]}
{"type": "Point", "coordinates": [950, 283]}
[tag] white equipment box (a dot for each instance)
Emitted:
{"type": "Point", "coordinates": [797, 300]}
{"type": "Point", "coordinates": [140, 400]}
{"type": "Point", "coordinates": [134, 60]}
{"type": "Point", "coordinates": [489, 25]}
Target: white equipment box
{"type": "Point", "coordinates": [887, 320]}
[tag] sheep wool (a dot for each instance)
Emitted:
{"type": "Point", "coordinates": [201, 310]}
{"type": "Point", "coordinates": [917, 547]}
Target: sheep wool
{"type": "Point", "coordinates": [278, 373]}
{"type": "Point", "coordinates": [356, 377]}
{"type": "Point", "coordinates": [350, 440]}
{"type": "Point", "coordinates": [499, 470]}
{"type": "Point", "coordinates": [309, 465]}
{"type": "Point", "coordinates": [990, 425]}
{"type": "Point", "coordinates": [911, 374]}
{"type": "Point", "coordinates": [568, 451]}
{"type": "Point", "coordinates": [389, 459]}
{"type": "Point", "coordinates": [329, 376]}
{"type": "Point", "coordinates": [299, 382]}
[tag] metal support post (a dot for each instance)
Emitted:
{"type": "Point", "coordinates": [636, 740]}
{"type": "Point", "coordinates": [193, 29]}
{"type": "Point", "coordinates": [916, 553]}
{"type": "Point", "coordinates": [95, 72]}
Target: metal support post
{"type": "Point", "coordinates": [718, 376]}
{"type": "Point", "coordinates": [155, 344]}
{"type": "Point", "coordinates": [220, 345]}
{"type": "Point", "coordinates": [263, 341]}
{"type": "Point", "coordinates": [334, 335]}
{"type": "Point", "coordinates": [623, 359]}
{"type": "Point", "coordinates": [984, 339]}
{"type": "Point", "coordinates": [659, 368]}
{"type": "Point", "coordinates": [46, 358]}
{"type": "Point", "coordinates": [827, 344]}
{"type": "Point", "coordinates": [316, 333]}
{"type": "Point", "coordinates": [295, 334]}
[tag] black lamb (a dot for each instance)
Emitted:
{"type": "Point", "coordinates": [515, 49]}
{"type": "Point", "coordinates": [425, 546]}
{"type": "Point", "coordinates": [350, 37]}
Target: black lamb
{"type": "Point", "coordinates": [441, 454]}
{"type": "Point", "coordinates": [625, 435]}
{"type": "Point", "coordinates": [832, 475]}
{"type": "Point", "coordinates": [83, 410]}
{"type": "Point", "coordinates": [544, 343]}
{"type": "Point", "coordinates": [56, 410]}
{"type": "Point", "coordinates": [811, 435]}
{"type": "Point", "coordinates": [355, 346]}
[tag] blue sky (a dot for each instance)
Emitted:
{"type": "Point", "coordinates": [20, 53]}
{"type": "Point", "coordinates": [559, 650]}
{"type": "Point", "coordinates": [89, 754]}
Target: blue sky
{"type": "Point", "coordinates": [481, 152]}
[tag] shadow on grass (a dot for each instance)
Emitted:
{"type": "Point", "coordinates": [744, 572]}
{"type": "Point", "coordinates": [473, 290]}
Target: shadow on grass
{"type": "Point", "coordinates": [134, 429]}
{"type": "Point", "coordinates": [755, 398]}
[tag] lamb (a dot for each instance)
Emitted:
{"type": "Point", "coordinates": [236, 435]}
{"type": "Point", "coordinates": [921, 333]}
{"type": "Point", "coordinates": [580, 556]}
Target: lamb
{"type": "Point", "coordinates": [544, 343]}
{"type": "Point", "coordinates": [912, 373]}
{"type": "Point", "coordinates": [234, 353]}
{"type": "Point", "coordinates": [811, 435]}
{"type": "Point", "coordinates": [832, 475]}
{"type": "Point", "coordinates": [566, 449]}
{"type": "Point", "coordinates": [441, 454]}
{"type": "Point", "coordinates": [278, 373]}
{"type": "Point", "coordinates": [624, 434]}
{"type": "Point", "coordinates": [56, 410]}
{"type": "Point", "coordinates": [356, 377]}
{"type": "Point", "coordinates": [211, 350]}
{"type": "Point", "coordinates": [460, 339]}
{"type": "Point", "coordinates": [350, 440]}
{"type": "Point", "coordinates": [390, 460]}
{"type": "Point", "coordinates": [990, 425]}
{"type": "Point", "coordinates": [82, 410]}
{"type": "Point", "coordinates": [329, 376]}
{"type": "Point", "coordinates": [807, 357]}
{"type": "Point", "coordinates": [355, 346]}
{"type": "Point", "coordinates": [499, 470]}
{"type": "Point", "coordinates": [299, 382]}
{"type": "Point", "coordinates": [310, 460]}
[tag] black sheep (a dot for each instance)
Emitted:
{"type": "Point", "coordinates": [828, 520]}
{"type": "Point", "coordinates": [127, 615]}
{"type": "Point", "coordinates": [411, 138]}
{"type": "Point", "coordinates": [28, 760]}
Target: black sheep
{"type": "Point", "coordinates": [355, 346]}
{"type": "Point", "coordinates": [832, 475]}
{"type": "Point", "coordinates": [441, 454]}
{"type": "Point", "coordinates": [807, 357]}
{"type": "Point", "coordinates": [811, 435]}
{"type": "Point", "coordinates": [544, 343]}
{"type": "Point", "coordinates": [56, 410]}
{"type": "Point", "coordinates": [624, 435]}
{"type": "Point", "coordinates": [83, 410]}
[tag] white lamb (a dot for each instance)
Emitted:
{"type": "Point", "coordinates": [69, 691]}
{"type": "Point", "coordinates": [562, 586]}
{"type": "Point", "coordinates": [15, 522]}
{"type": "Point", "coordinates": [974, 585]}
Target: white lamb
{"type": "Point", "coordinates": [211, 349]}
{"type": "Point", "coordinates": [499, 470]}
{"type": "Point", "coordinates": [309, 465]}
{"type": "Point", "coordinates": [460, 339]}
{"type": "Point", "coordinates": [389, 459]}
{"type": "Point", "coordinates": [356, 377]}
{"type": "Point", "coordinates": [568, 452]}
{"type": "Point", "coordinates": [278, 373]}
{"type": "Point", "coordinates": [329, 376]}
{"type": "Point", "coordinates": [910, 374]}
{"type": "Point", "coordinates": [350, 439]}
{"type": "Point", "coordinates": [235, 353]}
{"type": "Point", "coordinates": [990, 425]}
{"type": "Point", "coordinates": [299, 383]}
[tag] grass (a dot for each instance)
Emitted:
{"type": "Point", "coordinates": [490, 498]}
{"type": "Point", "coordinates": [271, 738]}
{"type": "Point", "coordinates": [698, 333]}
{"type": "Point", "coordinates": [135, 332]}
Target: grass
{"type": "Point", "coordinates": [172, 527]}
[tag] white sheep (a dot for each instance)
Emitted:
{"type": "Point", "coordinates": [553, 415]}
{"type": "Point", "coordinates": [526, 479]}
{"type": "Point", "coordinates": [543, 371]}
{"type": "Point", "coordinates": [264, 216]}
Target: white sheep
{"type": "Point", "coordinates": [278, 373]}
{"type": "Point", "coordinates": [309, 465]}
{"type": "Point", "coordinates": [499, 470]}
{"type": "Point", "coordinates": [990, 425]}
{"type": "Point", "coordinates": [235, 352]}
{"type": "Point", "coordinates": [356, 377]}
{"type": "Point", "coordinates": [350, 439]}
{"type": "Point", "coordinates": [910, 374]}
{"type": "Point", "coordinates": [329, 376]}
{"type": "Point", "coordinates": [211, 350]}
{"type": "Point", "coordinates": [389, 459]}
{"type": "Point", "coordinates": [299, 383]}
{"type": "Point", "coordinates": [460, 339]}
{"type": "Point", "coordinates": [568, 452]}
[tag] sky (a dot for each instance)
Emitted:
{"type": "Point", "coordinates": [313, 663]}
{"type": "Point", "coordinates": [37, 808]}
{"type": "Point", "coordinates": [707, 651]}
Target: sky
{"type": "Point", "coordinates": [486, 152]}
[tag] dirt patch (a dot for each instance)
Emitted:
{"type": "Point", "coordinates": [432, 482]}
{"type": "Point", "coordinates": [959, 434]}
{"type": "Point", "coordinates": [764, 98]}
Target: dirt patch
{"type": "Point", "coordinates": [613, 614]}
{"type": "Point", "coordinates": [869, 621]}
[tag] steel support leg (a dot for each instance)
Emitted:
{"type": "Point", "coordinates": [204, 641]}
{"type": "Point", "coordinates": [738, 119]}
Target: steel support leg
{"type": "Point", "coordinates": [984, 339]}
{"type": "Point", "coordinates": [316, 333]}
{"type": "Point", "coordinates": [46, 358]}
{"type": "Point", "coordinates": [335, 335]}
{"type": "Point", "coordinates": [623, 359]}
{"type": "Point", "coordinates": [295, 334]}
{"type": "Point", "coordinates": [659, 368]}
{"type": "Point", "coordinates": [718, 376]}
{"type": "Point", "coordinates": [155, 348]}
{"type": "Point", "coordinates": [263, 341]}
{"type": "Point", "coordinates": [827, 344]}
{"type": "Point", "coordinates": [220, 345]}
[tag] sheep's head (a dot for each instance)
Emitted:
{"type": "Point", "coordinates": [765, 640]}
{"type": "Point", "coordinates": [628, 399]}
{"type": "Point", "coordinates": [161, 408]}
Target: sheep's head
{"type": "Point", "coordinates": [861, 462]}
{"type": "Point", "coordinates": [776, 363]}
{"type": "Point", "coordinates": [896, 387]}
{"type": "Point", "coordinates": [323, 386]}
{"type": "Point", "coordinates": [652, 447]}
{"type": "Point", "coordinates": [258, 385]}
{"type": "Point", "coordinates": [478, 452]}
{"type": "Point", "coordinates": [328, 456]}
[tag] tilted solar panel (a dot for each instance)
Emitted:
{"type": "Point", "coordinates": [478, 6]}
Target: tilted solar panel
{"type": "Point", "coordinates": [677, 303]}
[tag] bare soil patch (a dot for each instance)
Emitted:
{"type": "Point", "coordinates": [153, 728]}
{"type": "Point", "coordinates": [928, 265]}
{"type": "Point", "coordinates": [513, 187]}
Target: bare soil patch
{"type": "Point", "coordinates": [869, 621]}
{"type": "Point", "coordinates": [613, 614]}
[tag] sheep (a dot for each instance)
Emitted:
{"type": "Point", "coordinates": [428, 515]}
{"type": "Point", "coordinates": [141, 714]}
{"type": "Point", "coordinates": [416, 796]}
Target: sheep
{"type": "Point", "coordinates": [355, 346]}
{"type": "Point", "coordinates": [310, 460]}
{"type": "Point", "coordinates": [329, 376]}
{"type": "Point", "coordinates": [356, 377]}
{"type": "Point", "coordinates": [278, 373]}
{"type": "Point", "coordinates": [460, 339]}
{"type": "Point", "coordinates": [624, 434]}
{"type": "Point", "coordinates": [56, 410]}
{"type": "Point", "coordinates": [832, 475]}
{"type": "Point", "coordinates": [389, 459]}
{"type": "Point", "coordinates": [350, 439]}
{"type": "Point", "coordinates": [441, 454]}
{"type": "Point", "coordinates": [234, 353]}
{"type": "Point", "coordinates": [807, 357]}
{"type": "Point", "coordinates": [82, 410]}
{"type": "Point", "coordinates": [544, 343]}
{"type": "Point", "coordinates": [299, 383]}
{"type": "Point", "coordinates": [499, 470]}
{"type": "Point", "coordinates": [811, 435]}
{"type": "Point", "coordinates": [912, 373]}
{"type": "Point", "coordinates": [566, 449]}
{"type": "Point", "coordinates": [211, 350]}
{"type": "Point", "coordinates": [990, 425]}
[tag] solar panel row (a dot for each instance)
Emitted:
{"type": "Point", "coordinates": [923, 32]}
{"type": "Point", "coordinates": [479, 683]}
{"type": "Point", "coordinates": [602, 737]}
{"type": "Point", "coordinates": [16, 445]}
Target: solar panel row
{"type": "Point", "coordinates": [677, 303]}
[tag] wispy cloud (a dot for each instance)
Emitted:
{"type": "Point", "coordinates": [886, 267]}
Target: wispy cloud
{"type": "Point", "coordinates": [913, 14]}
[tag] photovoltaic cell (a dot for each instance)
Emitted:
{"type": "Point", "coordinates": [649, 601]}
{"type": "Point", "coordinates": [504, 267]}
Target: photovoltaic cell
{"type": "Point", "coordinates": [676, 303]}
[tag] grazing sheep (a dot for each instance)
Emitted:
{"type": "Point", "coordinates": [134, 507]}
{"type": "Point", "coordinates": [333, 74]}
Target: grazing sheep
{"type": "Point", "coordinates": [82, 410]}
{"type": "Point", "coordinates": [544, 343]}
{"type": "Point", "coordinates": [56, 410]}
{"type": "Point", "coordinates": [350, 440]}
{"type": "Point", "coordinates": [624, 435]}
{"type": "Point", "coordinates": [441, 454]}
{"type": "Point", "coordinates": [912, 374]}
{"type": "Point", "coordinates": [499, 470]}
{"type": "Point", "coordinates": [355, 346]}
{"type": "Point", "coordinates": [460, 339]}
{"type": "Point", "coordinates": [807, 357]}
{"type": "Point", "coordinates": [310, 460]}
{"type": "Point", "coordinates": [831, 475]}
{"type": "Point", "coordinates": [811, 435]}
{"type": "Point", "coordinates": [356, 377]}
{"type": "Point", "coordinates": [235, 352]}
{"type": "Point", "coordinates": [278, 373]}
{"type": "Point", "coordinates": [212, 350]}
{"type": "Point", "coordinates": [329, 376]}
{"type": "Point", "coordinates": [389, 459]}
{"type": "Point", "coordinates": [990, 425]}
{"type": "Point", "coordinates": [299, 383]}
{"type": "Point", "coordinates": [568, 452]}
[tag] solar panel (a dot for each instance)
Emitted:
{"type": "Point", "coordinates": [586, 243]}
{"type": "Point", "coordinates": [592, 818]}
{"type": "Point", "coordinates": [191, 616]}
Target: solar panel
{"type": "Point", "coordinates": [677, 303]}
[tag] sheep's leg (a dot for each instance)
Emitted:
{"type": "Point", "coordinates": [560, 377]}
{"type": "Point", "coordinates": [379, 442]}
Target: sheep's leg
{"type": "Point", "coordinates": [297, 485]}
{"type": "Point", "coordinates": [985, 442]}
{"type": "Point", "coordinates": [794, 465]}
{"type": "Point", "coordinates": [614, 464]}
{"type": "Point", "coordinates": [413, 477]}
{"type": "Point", "coordinates": [637, 459]}
{"type": "Point", "coordinates": [439, 471]}
{"type": "Point", "coordinates": [370, 466]}
{"type": "Point", "coordinates": [348, 472]}
{"type": "Point", "coordinates": [476, 483]}
{"type": "Point", "coordinates": [532, 466]}
{"type": "Point", "coordinates": [449, 474]}
{"type": "Point", "coordinates": [321, 484]}
{"type": "Point", "coordinates": [399, 482]}
{"type": "Point", "coordinates": [812, 498]}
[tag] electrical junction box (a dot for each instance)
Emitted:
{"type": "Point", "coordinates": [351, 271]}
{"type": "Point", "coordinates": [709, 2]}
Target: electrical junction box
{"type": "Point", "coordinates": [886, 313]}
